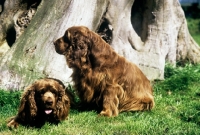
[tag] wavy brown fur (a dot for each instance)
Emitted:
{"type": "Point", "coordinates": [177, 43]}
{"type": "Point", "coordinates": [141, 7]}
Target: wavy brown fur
{"type": "Point", "coordinates": [103, 79]}
{"type": "Point", "coordinates": [45, 100]}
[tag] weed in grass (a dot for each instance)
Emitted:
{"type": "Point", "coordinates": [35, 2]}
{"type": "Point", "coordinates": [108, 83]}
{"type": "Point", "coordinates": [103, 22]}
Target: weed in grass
{"type": "Point", "coordinates": [180, 78]}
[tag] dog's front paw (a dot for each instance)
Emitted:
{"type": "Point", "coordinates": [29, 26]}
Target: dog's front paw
{"type": "Point", "coordinates": [12, 124]}
{"type": "Point", "coordinates": [109, 112]}
{"type": "Point", "coordinates": [106, 113]}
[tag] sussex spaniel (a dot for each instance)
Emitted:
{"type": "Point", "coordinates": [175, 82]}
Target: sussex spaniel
{"type": "Point", "coordinates": [46, 100]}
{"type": "Point", "coordinates": [103, 79]}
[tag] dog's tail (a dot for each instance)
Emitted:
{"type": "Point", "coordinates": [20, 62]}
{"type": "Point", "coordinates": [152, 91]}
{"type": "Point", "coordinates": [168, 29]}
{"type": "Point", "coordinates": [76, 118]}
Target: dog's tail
{"type": "Point", "coordinates": [138, 104]}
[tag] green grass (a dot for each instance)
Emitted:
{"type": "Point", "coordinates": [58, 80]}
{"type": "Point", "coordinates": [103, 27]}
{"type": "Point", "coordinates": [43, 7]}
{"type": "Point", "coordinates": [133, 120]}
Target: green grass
{"type": "Point", "coordinates": [177, 111]}
{"type": "Point", "coordinates": [197, 38]}
{"type": "Point", "coordinates": [194, 28]}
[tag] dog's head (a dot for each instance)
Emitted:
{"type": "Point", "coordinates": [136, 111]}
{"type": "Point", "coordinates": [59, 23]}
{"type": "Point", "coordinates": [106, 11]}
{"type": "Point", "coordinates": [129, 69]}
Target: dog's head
{"type": "Point", "coordinates": [71, 38]}
{"type": "Point", "coordinates": [79, 45]}
{"type": "Point", "coordinates": [45, 97]}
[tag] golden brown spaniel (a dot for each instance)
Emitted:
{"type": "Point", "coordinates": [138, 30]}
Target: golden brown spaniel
{"type": "Point", "coordinates": [103, 79]}
{"type": "Point", "coordinates": [46, 100]}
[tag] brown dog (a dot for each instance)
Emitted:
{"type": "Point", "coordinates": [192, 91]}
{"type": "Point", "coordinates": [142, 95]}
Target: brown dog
{"type": "Point", "coordinates": [103, 78]}
{"type": "Point", "coordinates": [46, 100]}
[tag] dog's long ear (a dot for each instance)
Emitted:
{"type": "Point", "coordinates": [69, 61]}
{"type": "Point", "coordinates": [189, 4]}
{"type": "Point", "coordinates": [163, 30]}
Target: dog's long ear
{"type": "Point", "coordinates": [63, 104]}
{"type": "Point", "coordinates": [101, 53]}
{"type": "Point", "coordinates": [68, 35]}
{"type": "Point", "coordinates": [28, 106]}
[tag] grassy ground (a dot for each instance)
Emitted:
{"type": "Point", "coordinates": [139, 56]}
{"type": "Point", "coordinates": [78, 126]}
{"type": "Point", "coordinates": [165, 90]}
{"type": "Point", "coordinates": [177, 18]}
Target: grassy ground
{"type": "Point", "coordinates": [194, 28]}
{"type": "Point", "coordinates": [177, 111]}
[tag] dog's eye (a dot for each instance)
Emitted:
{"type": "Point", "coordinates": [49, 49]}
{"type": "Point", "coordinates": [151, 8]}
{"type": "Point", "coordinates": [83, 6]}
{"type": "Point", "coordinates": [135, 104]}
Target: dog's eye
{"type": "Point", "coordinates": [54, 92]}
{"type": "Point", "coordinates": [42, 91]}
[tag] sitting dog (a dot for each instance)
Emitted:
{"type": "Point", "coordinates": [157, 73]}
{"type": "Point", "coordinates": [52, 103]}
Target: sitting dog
{"type": "Point", "coordinates": [103, 79]}
{"type": "Point", "coordinates": [45, 100]}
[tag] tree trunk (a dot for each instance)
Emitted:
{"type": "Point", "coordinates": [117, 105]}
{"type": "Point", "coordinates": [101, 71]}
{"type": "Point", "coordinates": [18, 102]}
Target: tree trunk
{"type": "Point", "coordinates": [146, 32]}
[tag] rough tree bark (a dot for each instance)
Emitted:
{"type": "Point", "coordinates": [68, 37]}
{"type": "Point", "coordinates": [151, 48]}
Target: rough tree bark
{"type": "Point", "coordinates": [147, 32]}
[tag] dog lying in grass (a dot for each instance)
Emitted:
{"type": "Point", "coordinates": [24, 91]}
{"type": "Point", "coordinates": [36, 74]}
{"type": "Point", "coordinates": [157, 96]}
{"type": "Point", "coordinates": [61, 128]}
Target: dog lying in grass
{"type": "Point", "coordinates": [46, 100]}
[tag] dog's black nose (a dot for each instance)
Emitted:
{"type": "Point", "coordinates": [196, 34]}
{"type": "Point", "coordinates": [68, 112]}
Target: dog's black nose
{"type": "Point", "coordinates": [49, 102]}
